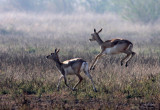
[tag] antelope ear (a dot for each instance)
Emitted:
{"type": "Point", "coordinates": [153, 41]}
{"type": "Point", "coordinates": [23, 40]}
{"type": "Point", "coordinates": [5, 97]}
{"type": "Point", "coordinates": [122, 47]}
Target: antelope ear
{"type": "Point", "coordinates": [57, 50]}
{"type": "Point", "coordinates": [99, 30]}
{"type": "Point", "coordinates": [95, 30]}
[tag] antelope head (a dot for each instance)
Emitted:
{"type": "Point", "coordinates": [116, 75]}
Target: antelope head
{"type": "Point", "coordinates": [54, 56]}
{"type": "Point", "coordinates": [95, 35]}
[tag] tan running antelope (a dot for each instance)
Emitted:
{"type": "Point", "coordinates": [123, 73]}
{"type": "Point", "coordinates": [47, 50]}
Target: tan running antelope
{"type": "Point", "coordinates": [111, 47]}
{"type": "Point", "coordinates": [71, 67]}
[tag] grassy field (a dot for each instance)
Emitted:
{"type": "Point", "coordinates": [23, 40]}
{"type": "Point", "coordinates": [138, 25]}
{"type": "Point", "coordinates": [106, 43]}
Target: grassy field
{"type": "Point", "coordinates": [28, 80]}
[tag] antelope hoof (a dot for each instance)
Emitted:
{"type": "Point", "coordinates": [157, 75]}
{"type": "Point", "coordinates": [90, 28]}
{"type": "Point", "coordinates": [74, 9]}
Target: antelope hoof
{"type": "Point", "coordinates": [74, 89]}
{"type": "Point", "coordinates": [95, 90]}
{"type": "Point", "coordinates": [93, 68]}
{"type": "Point", "coordinates": [121, 63]}
{"type": "Point", "coordinates": [126, 65]}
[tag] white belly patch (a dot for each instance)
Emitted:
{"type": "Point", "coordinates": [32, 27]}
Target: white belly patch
{"type": "Point", "coordinates": [107, 51]}
{"type": "Point", "coordinates": [110, 51]}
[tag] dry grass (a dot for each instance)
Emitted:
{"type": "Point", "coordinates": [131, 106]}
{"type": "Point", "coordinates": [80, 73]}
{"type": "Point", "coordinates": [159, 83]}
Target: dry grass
{"type": "Point", "coordinates": [28, 80]}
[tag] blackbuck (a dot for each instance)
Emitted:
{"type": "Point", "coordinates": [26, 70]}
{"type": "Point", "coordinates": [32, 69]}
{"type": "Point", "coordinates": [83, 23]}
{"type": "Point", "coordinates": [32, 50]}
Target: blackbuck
{"type": "Point", "coordinates": [71, 67]}
{"type": "Point", "coordinates": [111, 47]}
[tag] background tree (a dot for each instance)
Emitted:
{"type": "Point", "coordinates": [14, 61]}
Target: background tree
{"type": "Point", "coordinates": [140, 10]}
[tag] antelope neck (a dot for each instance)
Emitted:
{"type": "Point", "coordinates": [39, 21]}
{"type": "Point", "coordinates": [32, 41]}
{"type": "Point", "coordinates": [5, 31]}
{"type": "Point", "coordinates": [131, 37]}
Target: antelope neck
{"type": "Point", "coordinates": [99, 40]}
{"type": "Point", "coordinates": [58, 63]}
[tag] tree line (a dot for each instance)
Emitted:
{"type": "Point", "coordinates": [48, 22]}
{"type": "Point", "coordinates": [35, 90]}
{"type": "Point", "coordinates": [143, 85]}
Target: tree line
{"type": "Point", "coordinates": [134, 10]}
